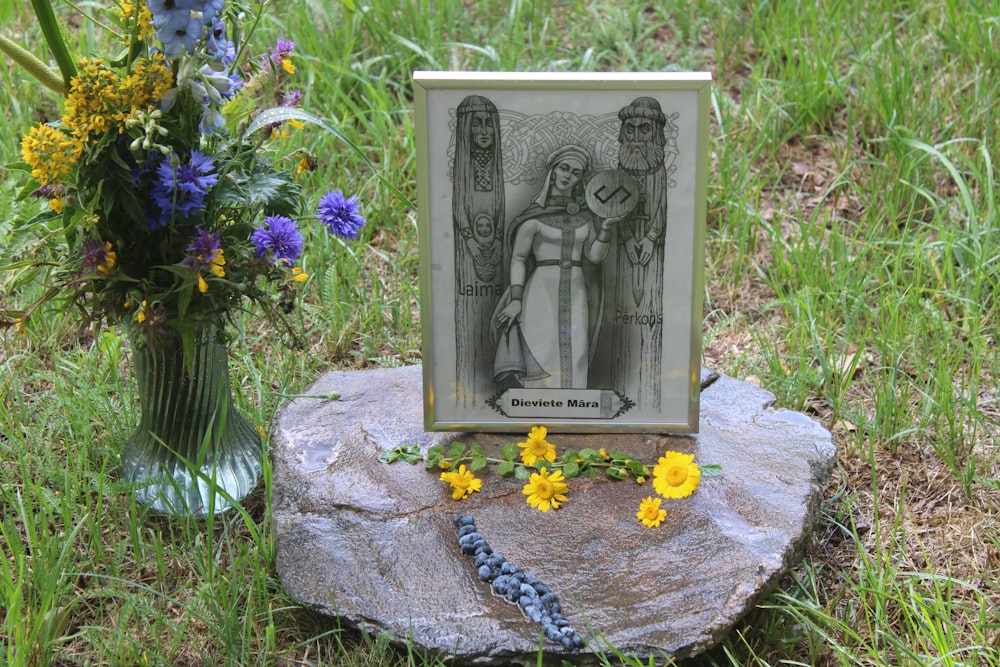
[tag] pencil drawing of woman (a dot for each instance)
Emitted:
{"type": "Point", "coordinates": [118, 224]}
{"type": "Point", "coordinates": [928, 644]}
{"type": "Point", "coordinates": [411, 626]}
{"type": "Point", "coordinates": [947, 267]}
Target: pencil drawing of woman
{"type": "Point", "coordinates": [546, 322]}
{"type": "Point", "coordinates": [478, 217]}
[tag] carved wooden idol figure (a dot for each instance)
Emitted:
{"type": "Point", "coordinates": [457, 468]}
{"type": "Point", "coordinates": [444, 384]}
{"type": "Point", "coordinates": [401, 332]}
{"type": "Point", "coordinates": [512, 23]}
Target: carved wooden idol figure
{"type": "Point", "coordinates": [478, 217]}
{"type": "Point", "coordinates": [637, 280]}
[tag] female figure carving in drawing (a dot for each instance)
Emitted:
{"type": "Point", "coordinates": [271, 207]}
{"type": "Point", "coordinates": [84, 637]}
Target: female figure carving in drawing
{"type": "Point", "coordinates": [546, 323]}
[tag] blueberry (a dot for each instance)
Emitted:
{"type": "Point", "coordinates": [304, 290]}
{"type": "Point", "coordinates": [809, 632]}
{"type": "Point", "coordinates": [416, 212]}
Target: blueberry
{"type": "Point", "coordinates": [481, 545]}
{"type": "Point", "coordinates": [500, 583]}
{"type": "Point", "coordinates": [534, 613]}
{"type": "Point", "coordinates": [484, 572]}
{"type": "Point", "coordinates": [551, 631]}
{"type": "Point", "coordinates": [547, 598]}
{"type": "Point", "coordinates": [465, 530]}
{"type": "Point", "coordinates": [567, 643]}
{"type": "Point", "coordinates": [562, 622]}
{"type": "Point", "coordinates": [529, 591]}
{"type": "Point", "coordinates": [577, 641]}
{"type": "Point", "coordinates": [542, 589]}
{"type": "Point", "coordinates": [506, 567]}
{"type": "Point", "coordinates": [468, 550]}
{"type": "Point", "coordinates": [556, 608]}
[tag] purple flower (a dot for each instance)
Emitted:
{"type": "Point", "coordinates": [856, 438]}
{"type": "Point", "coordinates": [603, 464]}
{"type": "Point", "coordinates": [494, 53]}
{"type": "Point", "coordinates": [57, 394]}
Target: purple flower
{"type": "Point", "coordinates": [203, 249]}
{"type": "Point", "coordinates": [340, 215]}
{"type": "Point", "coordinates": [293, 98]}
{"type": "Point", "coordinates": [180, 188]}
{"type": "Point", "coordinates": [281, 50]}
{"type": "Point", "coordinates": [280, 236]}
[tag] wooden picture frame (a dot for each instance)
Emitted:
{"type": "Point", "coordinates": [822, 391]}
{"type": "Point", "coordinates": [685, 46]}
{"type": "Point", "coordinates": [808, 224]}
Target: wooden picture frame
{"type": "Point", "coordinates": [561, 222]}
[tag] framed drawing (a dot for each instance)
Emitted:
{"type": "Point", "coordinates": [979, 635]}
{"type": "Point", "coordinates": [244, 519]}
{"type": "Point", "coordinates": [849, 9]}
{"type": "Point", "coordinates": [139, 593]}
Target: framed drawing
{"type": "Point", "coordinates": [561, 222]}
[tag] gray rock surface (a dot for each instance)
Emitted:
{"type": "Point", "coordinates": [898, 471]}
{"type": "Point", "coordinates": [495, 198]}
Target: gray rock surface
{"type": "Point", "coordinates": [375, 544]}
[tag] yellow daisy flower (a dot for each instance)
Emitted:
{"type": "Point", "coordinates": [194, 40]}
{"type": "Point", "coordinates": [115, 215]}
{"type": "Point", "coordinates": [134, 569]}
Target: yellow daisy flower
{"type": "Point", "coordinates": [463, 482]}
{"type": "Point", "coordinates": [536, 447]}
{"type": "Point", "coordinates": [545, 489]}
{"type": "Point", "coordinates": [676, 475]}
{"type": "Point", "coordinates": [650, 513]}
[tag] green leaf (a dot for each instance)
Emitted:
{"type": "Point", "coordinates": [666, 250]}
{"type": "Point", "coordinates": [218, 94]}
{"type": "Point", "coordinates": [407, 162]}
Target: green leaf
{"type": "Point", "coordinates": [589, 454]}
{"type": "Point", "coordinates": [281, 114]}
{"type": "Point", "coordinates": [570, 455]}
{"type": "Point", "coordinates": [571, 469]}
{"type": "Point", "coordinates": [522, 473]}
{"type": "Point", "coordinates": [477, 463]}
{"type": "Point", "coordinates": [617, 473]}
{"type": "Point", "coordinates": [710, 469]}
{"type": "Point", "coordinates": [457, 451]}
{"type": "Point", "coordinates": [509, 451]}
{"type": "Point", "coordinates": [505, 468]}
{"type": "Point", "coordinates": [637, 468]}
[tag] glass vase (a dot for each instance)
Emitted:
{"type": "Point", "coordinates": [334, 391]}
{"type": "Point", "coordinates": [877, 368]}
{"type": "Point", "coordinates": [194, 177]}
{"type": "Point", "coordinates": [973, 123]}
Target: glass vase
{"type": "Point", "coordinates": [191, 444]}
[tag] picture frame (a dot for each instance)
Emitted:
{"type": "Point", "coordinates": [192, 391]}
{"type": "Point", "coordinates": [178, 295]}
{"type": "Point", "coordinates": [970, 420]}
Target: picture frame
{"type": "Point", "coordinates": [561, 227]}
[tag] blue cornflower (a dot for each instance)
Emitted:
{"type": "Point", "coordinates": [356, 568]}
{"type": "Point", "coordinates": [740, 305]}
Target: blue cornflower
{"type": "Point", "coordinates": [340, 215]}
{"type": "Point", "coordinates": [279, 235]}
{"type": "Point", "coordinates": [180, 188]}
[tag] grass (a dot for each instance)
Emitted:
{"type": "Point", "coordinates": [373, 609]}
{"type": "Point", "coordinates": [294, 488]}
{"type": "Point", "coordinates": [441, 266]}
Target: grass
{"type": "Point", "coordinates": [852, 268]}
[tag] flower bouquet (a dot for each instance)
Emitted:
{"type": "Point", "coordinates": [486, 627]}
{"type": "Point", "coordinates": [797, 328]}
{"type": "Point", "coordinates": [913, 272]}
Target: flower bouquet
{"type": "Point", "coordinates": [176, 207]}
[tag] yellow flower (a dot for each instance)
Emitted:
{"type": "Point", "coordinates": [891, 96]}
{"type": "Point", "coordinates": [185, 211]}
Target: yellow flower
{"type": "Point", "coordinates": [640, 480]}
{"type": "Point", "coordinates": [463, 482]}
{"type": "Point", "coordinates": [140, 317]}
{"type": "Point", "coordinates": [217, 263]}
{"type": "Point", "coordinates": [56, 204]}
{"type": "Point", "coordinates": [536, 447]}
{"type": "Point", "coordinates": [50, 153]}
{"type": "Point", "coordinates": [604, 453]}
{"type": "Point", "coordinates": [299, 275]}
{"type": "Point", "coordinates": [288, 65]}
{"type": "Point", "coordinates": [650, 513]}
{"type": "Point", "coordinates": [676, 475]}
{"type": "Point", "coordinates": [544, 489]}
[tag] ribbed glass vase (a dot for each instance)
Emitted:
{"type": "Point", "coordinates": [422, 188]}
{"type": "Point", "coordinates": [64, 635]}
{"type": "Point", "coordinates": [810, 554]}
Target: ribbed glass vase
{"type": "Point", "coordinates": [191, 442]}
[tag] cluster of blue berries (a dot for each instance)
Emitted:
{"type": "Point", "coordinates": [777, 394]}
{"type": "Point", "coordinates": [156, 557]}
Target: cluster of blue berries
{"type": "Point", "coordinates": [535, 599]}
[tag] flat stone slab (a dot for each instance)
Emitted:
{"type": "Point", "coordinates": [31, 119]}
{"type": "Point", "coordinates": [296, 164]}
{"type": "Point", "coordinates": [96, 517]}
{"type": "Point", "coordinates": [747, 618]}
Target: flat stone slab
{"type": "Point", "coordinates": [375, 544]}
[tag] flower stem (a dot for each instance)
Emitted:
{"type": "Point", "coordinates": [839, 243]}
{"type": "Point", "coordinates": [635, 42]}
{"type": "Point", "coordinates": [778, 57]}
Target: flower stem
{"type": "Point", "coordinates": [53, 37]}
{"type": "Point", "coordinates": [35, 67]}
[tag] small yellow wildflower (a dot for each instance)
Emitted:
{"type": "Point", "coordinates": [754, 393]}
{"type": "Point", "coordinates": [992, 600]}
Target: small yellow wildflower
{"type": "Point", "coordinates": [307, 163]}
{"type": "Point", "coordinates": [299, 275]}
{"type": "Point", "coordinates": [110, 258]}
{"type": "Point", "coordinates": [50, 153]}
{"type": "Point", "coordinates": [56, 204]}
{"type": "Point", "coordinates": [217, 263]}
{"type": "Point", "coordinates": [640, 480]}
{"type": "Point", "coordinates": [140, 316]}
{"type": "Point", "coordinates": [288, 65]}
{"type": "Point", "coordinates": [650, 513]}
{"type": "Point", "coordinates": [536, 447]}
{"type": "Point", "coordinates": [676, 475]}
{"type": "Point", "coordinates": [604, 453]}
{"type": "Point", "coordinates": [463, 482]}
{"type": "Point", "coordinates": [545, 489]}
